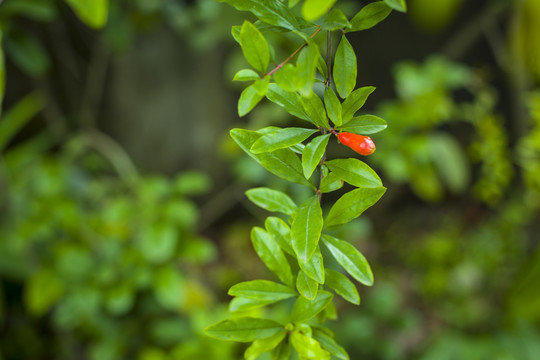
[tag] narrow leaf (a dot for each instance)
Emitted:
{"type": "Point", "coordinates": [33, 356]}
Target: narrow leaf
{"type": "Point", "coordinates": [314, 268]}
{"type": "Point", "coordinates": [271, 200]}
{"type": "Point", "coordinates": [244, 304]}
{"type": "Point", "coordinates": [313, 153]}
{"type": "Point", "coordinates": [306, 228]}
{"type": "Point", "coordinates": [92, 12]}
{"type": "Point", "coordinates": [364, 125]}
{"type": "Point", "coordinates": [281, 233]}
{"type": "Point", "coordinates": [290, 101]}
{"type": "Point", "coordinates": [353, 204]}
{"type": "Point", "coordinates": [308, 348]}
{"type": "Point", "coordinates": [307, 287]}
{"type": "Point", "coordinates": [307, 65]}
{"type": "Point", "coordinates": [249, 98]}
{"type": "Point", "coordinates": [328, 343]}
{"type": "Point", "coordinates": [350, 258]}
{"type": "Point", "coordinates": [264, 345]}
{"type": "Point", "coordinates": [270, 11]}
{"type": "Point", "coordinates": [335, 20]}
{"type": "Point", "coordinates": [245, 329]}
{"type": "Point", "coordinates": [333, 106]}
{"type": "Point", "coordinates": [355, 101]}
{"type": "Point", "coordinates": [369, 16]}
{"type": "Point", "coordinates": [342, 286]}
{"type": "Point", "coordinates": [280, 139]}
{"type": "Point", "coordinates": [262, 290]}
{"type": "Point", "coordinates": [254, 46]}
{"type": "Point", "coordinates": [314, 109]}
{"type": "Point", "coordinates": [355, 172]}
{"type": "Point", "coordinates": [281, 352]}
{"type": "Point", "coordinates": [246, 75]}
{"type": "Point", "coordinates": [314, 9]}
{"type": "Point", "coordinates": [345, 68]}
{"type": "Point", "coordinates": [331, 182]}
{"type": "Point", "coordinates": [305, 309]}
{"type": "Point", "coordinates": [399, 5]}
{"type": "Point", "coordinates": [272, 256]}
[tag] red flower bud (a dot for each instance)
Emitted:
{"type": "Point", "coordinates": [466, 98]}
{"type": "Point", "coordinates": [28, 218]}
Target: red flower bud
{"type": "Point", "coordinates": [359, 143]}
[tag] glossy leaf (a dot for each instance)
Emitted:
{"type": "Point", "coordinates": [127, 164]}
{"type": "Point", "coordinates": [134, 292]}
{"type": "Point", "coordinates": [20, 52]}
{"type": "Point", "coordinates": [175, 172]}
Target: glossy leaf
{"type": "Point", "coordinates": [246, 75]}
{"type": "Point", "coordinates": [305, 309]}
{"type": "Point", "coordinates": [264, 345]}
{"type": "Point", "coordinates": [306, 228]}
{"type": "Point", "coordinates": [286, 77]}
{"type": "Point", "coordinates": [314, 267]}
{"type": "Point", "coordinates": [271, 200]}
{"type": "Point", "coordinates": [399, 5]}
{"type": "Point", "coordinates": [342, 286]}
{"type": "Point", "coordinates": [306, 286]}
{"type": "Point", "coordinates": [254, 46]}
{"type": "Point", "coordinates": [245, 304]}
{"type": "Point", "coordinates": [335, 20]}
{"type": "Point", "coordinates": [350, 258]}
{"type": "Point", "coordinates": [280, 139]}
{"type": "Point", "coordinates": [353, 204]}
{"type": "Point", "coordinates": [333, 106]}
{"type": "Point", "coordinates": [290, 101]}
{"type": "Point", "coordinates": [251, 96]}
{"type": "Point", "coordinates": [369, 16]}
{"type": "Point", "coordinates": [330, 183]}
{"type": "Point", "coordinates": [314, 9]}
{"type": "Point", "coordinates": [355, 101]}
{"type": "Point", "coordinates": [328, 343]}
{"type": "Point", "coordinates": [269, 11]}
{"type": "Point", "coordinates": [354, 172]}
{"type": "Point", "coordinates": [364, 125]}
{"type": "Point", "coordinates": [308, 348]}
{"type": "Point", "coordinates": [345, 70]}
{"type": "Point", "coordinates": [313, 153]}
{"type": "Point", "coordinates": [272, 256]}
{"type": "Point", "coordinates": [92, 12]}
{"type": "Point", "coordinates": [281, 233]}
{"type": "Point", "coordinates": [262, 290]}
{"type": "Point", "coordinates": [306, 65]}
{"type": "Point", "coordinates": [314, 109]}
{"type": "Point", "coordinates": [244, 329]}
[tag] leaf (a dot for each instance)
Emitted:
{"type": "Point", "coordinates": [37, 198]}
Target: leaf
{"type": "Point", "coordinates": [333, 106]}
{"type": "Point", "coordinates": [290, 101]}
{"type": "Point", "coordinates": [283, 163]}
{"type": "Point", "coordinates": [280, 139]}
{"type": "Point", "coordinates": [369, 16]}
{"type": "Point", "coordinates": [262, 290]}
{"type": "Point", "coordinates": [264, 345]}
{"type": "Point", "coordinates": [306, 228]}
{"type": "Point", "coordinates": [313, 153]}
{"type": "Point", "coordinates": [2, 75]}
{"type": "Point", "coordinates": [351, 259]}
{"type": "Point", "coordinates": [304, 309]}
{"type": "Point", "coordinates": [254, 46]}
{"type": "Point", "coordinates": [42, 290]}
{"type": "Point", "coordinates": [314, 9]}
{"type": "Point", "coordinates": [314, 109]}
{"type": "Point", "coordinates": [292, 3]}
{"type": "Point", "coordinates": [271, 200]}
{"type": "Point", "coordinates": [345, 68]}
{"type": "Point", "coordinates": [272, 256]}
{"type": "Point", "coordinates": [342, 286]}
{"type": "Point", "coordinates": [308, 348]}
{"type": "Point", "coordinates": [286, 77]}
{"type": "Point", "coordinates": [331, 182]}
{"type": "Point", "coordinates": [281, 233]}
{"type": "Point", "coordinates": [270, 11]}
{"type": "Point", "coordinates": [28, 54]}
{"type": "Point", "coordinates": [355, 172]}
{"type": "Point", "coordinates": [19, 115]}
{"type": "Point", "coordinates": [364, 125]}
{"type": "Point", "coordinates": [450, 161]}
{"type": "Point", "coordinates": [314, 268]}
{"type": "Point", "coordinates": [355, 101]}
{"type": "Point", "coordinates": [335, 20]}
{"type": "Point", "coordinates": [244, 329]}
{"type": "Point", "coordinates": [353, 204]}
{"type": "Point", "coordinates": [245, 304]}
{"type": "Point", "coordinates": [251, 96]}
{"type": "Point", "coordinates": [328, 343]}
{"type": "Point", "coordinates": [306, 65]}
{"type": "Point", "coordinates": [306, 286]}
{"type": "Point", "coordinates": [246, 75]}
{"type": "Point", "coordinates": [92, 12]}
{"type": "Point", "coordinates": [399, 5]}
{"type": "Point", "coordinates": [169, 288]}
{"type": "Point", "coordinates": [282, 352]}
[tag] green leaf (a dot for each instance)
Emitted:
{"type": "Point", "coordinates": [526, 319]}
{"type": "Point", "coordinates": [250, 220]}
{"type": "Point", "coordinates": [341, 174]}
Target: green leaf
{"type": "Point", "coordinates": [314, 109]}
{"type": "Point", "coordinates": [355, 101]}
{"type": "Point", "coordinates": [364, 125]}
{"type": "Point", "coordinates": [314, 9]}
{"type": "Point", "coordinates": [39, 10]}
{"type": "Point", "coordinates": [28, 54]}
{"type": "Point", "coordinates": [304, 309]}
{"type": "Point", "coordinates": [2, 75]}
{"type": "Point", "coordinates": [271, 200]}
{"type": "Point", "coordinates": [450, 161]}
{"type": "Point", "coordinates": [308, 348]}
{"type": "Point", "coordinates": [254, 46]}
{"type": "Point", "coordinates": [307, 287]}
{"type": "Point", "coordinates": [286, 77]}
{"type": "Point", "coordinates": [157, 242]}
{"type": "Point", "coordinates": [322, 67]}
{"type": "Point", "coordinates": [353, 204]}
{"type": "Point", "coordinates": [328, 343]}
{"type": "Point", "coordinates": [355, 172]}
{"type": "Point", "coordinates": [292, 3]}
{"type": "Point", "coordinates": [169, 288]}
{"type": "Point", "coordinates": [264, 345]}
{"type": "Point", "coordinates": [246, 75]}
{"type": "Point", "coordinates": [314, 268]}
{"type": "Point", "coordinates": [345, 68]}
{"type": "Point", "coordinates": [244, 329]}
{"type": "Point", "coordinates": [342, 286]}
{"type": "Point", "coordinates": [281, 233]}
{"type": "Point", "coordinates": [283, 163]}
{"type": "Point", "coordinates": [335, 20]}
{"type": "Point", "coordinates": [42, 291]}
{"type": "Point", "coordinates": [333, 106]}
{"type": "Point", "coordinates": [251, 96]}
{"type": "Point", "coordinates": [280, 139]}
{"type": "Point", "coordinates": [399, 5]}
{"type": "Point", "coordinates": [262, 290]}
{"type": "Point", "coordinates": [306, 65]}
{"type": "Point", "coordinates": [290, 101]}
{"type": "Point", "coordinates": [245, 304]}
{"type": "Point", "coordinates": [331, 182]}
{"type": "Point", "coordinates": [282, 352]}
{"type": "Point", "coordinates": [92, 12]}
{"type": "Point", "coordinates": [270, 11]}
{"type": "Point", "coordinates": [272, 256]}
{"type": "Point", "coordinates": [306, 228]}
{"type": "Point", "coordinates": [313, 153]}
{"type": "Point", "coordinates": [369, 16]}
{"type": "Point", "coordinates": [351, 259]}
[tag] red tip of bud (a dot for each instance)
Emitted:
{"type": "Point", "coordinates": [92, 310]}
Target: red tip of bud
{"type": "Point", "coordinates": [359, 143]}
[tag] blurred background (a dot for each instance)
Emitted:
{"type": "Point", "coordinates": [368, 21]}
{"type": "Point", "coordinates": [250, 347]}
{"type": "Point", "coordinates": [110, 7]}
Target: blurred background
{"type": "Point", "coordinates": [123, 220]}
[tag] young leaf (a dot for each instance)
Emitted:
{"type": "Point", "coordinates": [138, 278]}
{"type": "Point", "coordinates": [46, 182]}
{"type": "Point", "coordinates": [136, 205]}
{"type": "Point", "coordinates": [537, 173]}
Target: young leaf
{"type": "Point", "coordinates": [290, 101]}
{"type": "Point", "coordinates": [331, 182]}
{"type": "Point", "coordinates": [285, 77]}
{"type": "Point", "coordinates": [335, 20]}
{"type": "Point", "coordinates": [308, 348]}
{"type": "Point", "coordinates": [314, 9]}
{"type": "Point", "coordinates": [262, 290]}
{"type": "Point", "coordinates": [254, 46]}
{"type": "Point", "coordinates": [399, 5]}
{"type": "Point", "coordinates": [245, 304]}
{"type": "Point", "coordinates": [281, 352]}
{"type": "Point", "coordinates": [271, 200]}
{"type": "Point", "coordinates": [328, 343]}
{"type": "Point", "coordinates": [354, 172]}
{"type": "Point", "coordinates": [314, 268]}
{"type": "Point", "coordinates": [246, 75]}
{"type": "Point", "coordinates": [355, 101]}
{"type": "Point", "coordinates": [314, 109]}
{"type": "Point", "coordinates": [342, 286]}
{"type": "Point", "coordinates": [280, 139]}
{"type": "Point", "coordinates": [306, 65]}
{"type": "Point", "coordinates": [251, 96]}
{"type": "Point", "coordinates": [306, 228]}
{"type": "Point", "coordinates": [307, 287]}
{"type": "Point", "coordinates": [353, 204]}
{"type": "Point", "coordinates": [313, 153]}
{"type": "Point", "coordinates": [333, 106]}
{"type": "Point", "coordinates": [369, 16]}
{"type": "Point", "coordinates": [245, 329]}
{"type": "Point", "coordinates": [304, 309]}
{"type": "Point", "coordinates": [272, 256]}
{"type": "Point", "coordinates": [345, 68]}
{"type": "Point", "coordinates": [264, 345]}
{"type": "Point", "coordinates": [271, 12]}
{"type": "Point", "coordinates": [351, 259]}
{"type": "Point", "coordinates": [364, 125]}
{"type": "Point", "coordinates": [281, 232]}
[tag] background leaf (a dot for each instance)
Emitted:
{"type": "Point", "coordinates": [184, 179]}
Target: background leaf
{"type": "Point", "coordinates": [92, 12]}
